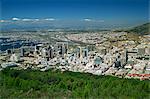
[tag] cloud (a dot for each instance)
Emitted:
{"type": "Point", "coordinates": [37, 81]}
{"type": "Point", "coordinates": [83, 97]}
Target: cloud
{"type": "Point", "coordinates": [87, 20]}
{"type": "Point", "coordinates": [2, 21]}
{"type": "Point", "coordinates": [50, 19]}
{"type": "Point", "coordinates": [15, 19]}
{"type": "Point", "coordinates": [36, 19]}
{"type": "Point", "coordinates": [91, 20]}
{"type": "Point", "coordinates": [27, 19]}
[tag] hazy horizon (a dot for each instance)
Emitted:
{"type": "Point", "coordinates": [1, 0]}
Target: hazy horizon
{"type": "Point", "coordinates": [73, 13]}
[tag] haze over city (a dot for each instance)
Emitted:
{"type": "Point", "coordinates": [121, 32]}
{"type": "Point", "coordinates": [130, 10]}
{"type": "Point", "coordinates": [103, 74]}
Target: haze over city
{"type": "Point", "coordinates": [75, 13]}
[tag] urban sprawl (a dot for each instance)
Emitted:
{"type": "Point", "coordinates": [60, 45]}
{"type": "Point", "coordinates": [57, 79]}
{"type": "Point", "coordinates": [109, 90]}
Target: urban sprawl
{"type": "Point", "coordinates": [100, 53]}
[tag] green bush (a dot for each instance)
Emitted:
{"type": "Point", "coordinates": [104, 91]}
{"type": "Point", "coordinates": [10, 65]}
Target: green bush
{"type": "Point", "coordinates": [55, 84]}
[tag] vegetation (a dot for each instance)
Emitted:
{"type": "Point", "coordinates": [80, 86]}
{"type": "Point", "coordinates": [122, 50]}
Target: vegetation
{"type": "Point", "coordinates": [141, 30]}
{"type": "Point", "coordinates": [57, 84]}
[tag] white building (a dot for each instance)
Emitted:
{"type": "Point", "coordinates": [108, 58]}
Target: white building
{"type": "Point", "coordinates": [14, 58]}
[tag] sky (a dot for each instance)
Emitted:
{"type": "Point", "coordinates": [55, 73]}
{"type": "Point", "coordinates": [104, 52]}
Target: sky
{"type": "Point", "coordinates": [123, 12]}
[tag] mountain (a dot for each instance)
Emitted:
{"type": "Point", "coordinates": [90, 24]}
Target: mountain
{"type": "Point", "coordinates": [143, 29]}
{"type": "Point", "coordinates": [71, 25]}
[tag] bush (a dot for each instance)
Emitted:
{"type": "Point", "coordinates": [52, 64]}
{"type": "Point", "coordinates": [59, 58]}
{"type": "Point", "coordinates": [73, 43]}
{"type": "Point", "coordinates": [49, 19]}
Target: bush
{"type": "Point", "coordinates": [54, 84]}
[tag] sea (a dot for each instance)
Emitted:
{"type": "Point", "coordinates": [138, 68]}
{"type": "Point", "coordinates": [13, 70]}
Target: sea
{"type": "Point", "coordinates": [6, 43]}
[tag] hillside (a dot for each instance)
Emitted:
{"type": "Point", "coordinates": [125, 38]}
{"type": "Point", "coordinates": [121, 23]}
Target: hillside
{"type": "Point", "coordinates": [68, 85]}
{"type": "Point", "coordinates": [141, 30]}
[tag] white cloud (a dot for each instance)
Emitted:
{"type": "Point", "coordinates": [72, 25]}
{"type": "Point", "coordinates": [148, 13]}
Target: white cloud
{"type": "Point", "coordinates": [50, 19]}
{"type": "Point", "coordinates": [87, 19]}
{"type": "Point", "coordinates": [26, 19]}
{"type": "Point", "coordinates": [15, 19]}
{"type": "Point", "coordinates": [2, 21]}
{"type": "Point", "coordinates": [91, 20]}
{"type": "Point", "coordinates": [36, 19]}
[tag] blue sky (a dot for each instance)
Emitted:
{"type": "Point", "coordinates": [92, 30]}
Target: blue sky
{"type": "Point", "coordinates": [129, 12]}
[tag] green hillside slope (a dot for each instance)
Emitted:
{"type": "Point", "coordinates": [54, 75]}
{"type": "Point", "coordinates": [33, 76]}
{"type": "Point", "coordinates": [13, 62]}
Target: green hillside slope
{"type": "Point", "coordinates": [141, 30]}
{"type": "Point", "coordinates": [27, 84]}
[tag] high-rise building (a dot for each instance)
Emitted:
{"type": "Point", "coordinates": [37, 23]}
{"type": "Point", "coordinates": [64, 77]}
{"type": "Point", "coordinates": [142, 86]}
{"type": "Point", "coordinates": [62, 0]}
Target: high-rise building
{"type": "Point", "coordinates": [9, 51]}
{"type": "Point", "coordinates": [124, 59]}
{"type": "Point", "coordinates": [22, 52]}
{"type": "Point", "coordinates": [43, 52]}
{"type": "Point", "coordinates": [50, 52]}
{"type": "Point", "coordinates": [62, 48]}
{"type": "Point", "coordinates": [117, 63]}
{"type": "Point", "coordinates": [79, 52]}
{"type": "Point", "coordinates": [85, 52]}
{"type": "Point", "coordinates": [35, 48]}
{"type": "Point", "coordinates": [82, 52]}
{"type": "Point", "coordinates": [126, 56]}
{"type": "Point", "coordinates": [14, 58]}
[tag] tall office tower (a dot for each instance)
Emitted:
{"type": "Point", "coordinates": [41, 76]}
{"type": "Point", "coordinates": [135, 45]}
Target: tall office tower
{"type": "Point", "coordinates": [8, 51]}
{"type": "Point", "coordinates": [50, 52]}
{"type": "Point", "coordinates": [43, 52]}
{"type": "Point", "coordinates": [81, 55]}
{"type": "Point", "coordinates": [126, 56]}
{"type": "Point", "coordinates": [66, 48]}
{"type": "Point", "coordinates": [56, 51]}
{"type": "Point", "coordinates": [14, 58]}
{"type": "Point", "coordinates": [35, 48]}
{"type": "Point", "coordinates": [62, 48]}
{"type": "Point", "coordinates": [81, 52]}
{"type": "Point", "coordinates": [78, 52]}
{"type": "Point", "coordinates": [117, 63]}
{"type": "Point", "coordinates": [22, 51]}
{"type": "Point", "coordinates": [85, 52]}
{"type": "Point", "coordinates": [55, 48]}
